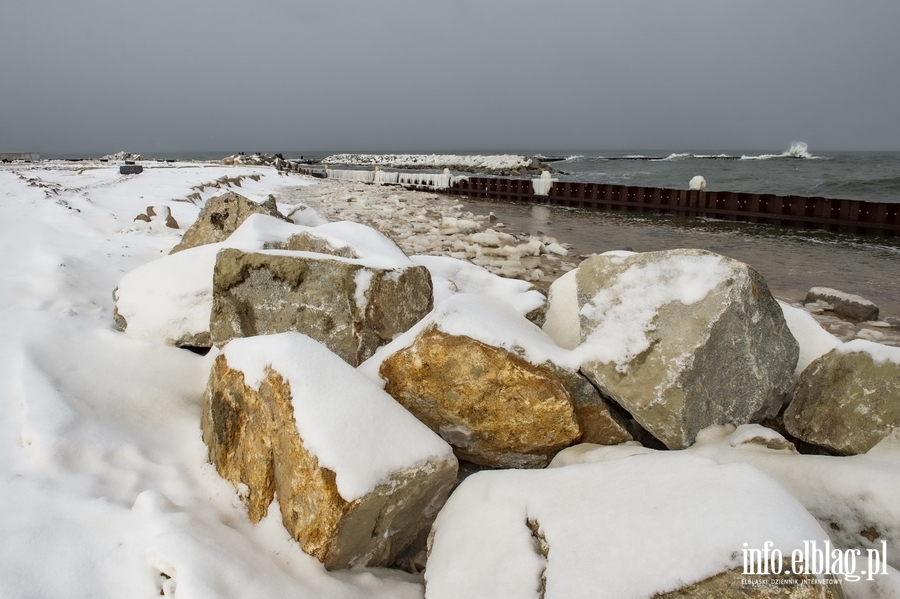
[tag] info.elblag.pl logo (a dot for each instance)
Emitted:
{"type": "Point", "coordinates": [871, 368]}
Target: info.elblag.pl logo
{"type": "Point", "coordinates": [816, 560]}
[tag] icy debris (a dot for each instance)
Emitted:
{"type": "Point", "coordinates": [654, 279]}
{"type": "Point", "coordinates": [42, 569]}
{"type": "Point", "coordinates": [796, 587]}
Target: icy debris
{"type": "Point", "coordinates": [424, 224]}
{"type": "Point", "coordinates": [357, 176]}
{"type": "Point", "coordinates": [442, 180]}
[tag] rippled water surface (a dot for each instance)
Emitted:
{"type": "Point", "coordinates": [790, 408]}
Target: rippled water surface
{"type": "Point", "coordinates": [791, 260]}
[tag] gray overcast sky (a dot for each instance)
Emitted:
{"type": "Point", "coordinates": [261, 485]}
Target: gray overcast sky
{"type": "Point", "coordinates": [416, 75]}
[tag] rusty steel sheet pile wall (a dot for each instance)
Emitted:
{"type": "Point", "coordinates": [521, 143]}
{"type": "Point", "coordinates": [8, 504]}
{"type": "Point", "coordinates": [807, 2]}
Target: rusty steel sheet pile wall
{"type": "Point", "coordinates": [845, 216]}
{"type": "Point", "coordinates": [850, 216]}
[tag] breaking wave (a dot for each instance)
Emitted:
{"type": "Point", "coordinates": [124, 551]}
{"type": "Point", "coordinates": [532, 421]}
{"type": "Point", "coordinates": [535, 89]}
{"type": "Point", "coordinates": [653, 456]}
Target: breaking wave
{"type": "Point", "coordinates": [798, 149]}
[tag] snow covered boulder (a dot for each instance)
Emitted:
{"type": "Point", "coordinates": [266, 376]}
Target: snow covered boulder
{"type": "Point", "coordinates": [220, 217]}
{"type": "Point", "coordinates": [849, 399]}
{"type": "Point", "coordinates": [358, 478]}
{"type": "Point", "coordinates": [682, 339]}
{"type": "Point", "coordinates": [493, 385]}
{"type": "Point", "coordinates": [169, 300]}
{"type": "Point", "coordinates": [846, 304]}
{"type": "Point", "coordinates": [351, 306]}
{"type": "Point", "coordinates": [637, 526]}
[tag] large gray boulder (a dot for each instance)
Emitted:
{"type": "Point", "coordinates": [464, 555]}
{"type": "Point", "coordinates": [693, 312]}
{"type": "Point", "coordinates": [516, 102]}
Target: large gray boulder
{"type": "Point", "coordinates": [221, 216]}
{"type": "Point", "coordinates": [849, 399]}
{"type": "Point", "coordinates": [683, 339]}
{"type": "Point", "coordinates": [350, 307]}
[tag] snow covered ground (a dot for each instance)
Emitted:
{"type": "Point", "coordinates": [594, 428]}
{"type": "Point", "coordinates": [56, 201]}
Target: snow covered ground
{"type": "Point", "coordinates": [107, 490]}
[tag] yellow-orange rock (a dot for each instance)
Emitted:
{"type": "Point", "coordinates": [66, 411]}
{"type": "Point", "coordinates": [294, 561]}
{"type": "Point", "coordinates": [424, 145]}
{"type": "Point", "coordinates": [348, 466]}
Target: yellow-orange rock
{"type": "Point", "coordinates": [255, 443]}
{"type": "Point", "coordinates": [494, 407]}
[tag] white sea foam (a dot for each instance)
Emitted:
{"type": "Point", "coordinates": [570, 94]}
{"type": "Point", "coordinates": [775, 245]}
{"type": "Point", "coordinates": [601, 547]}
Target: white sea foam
{"type": "Point", "coordinates": [798, 149]}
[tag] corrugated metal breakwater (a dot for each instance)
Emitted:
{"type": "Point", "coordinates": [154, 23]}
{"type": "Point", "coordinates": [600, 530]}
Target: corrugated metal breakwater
{"type": "Point", "coordinates": [846, 216]}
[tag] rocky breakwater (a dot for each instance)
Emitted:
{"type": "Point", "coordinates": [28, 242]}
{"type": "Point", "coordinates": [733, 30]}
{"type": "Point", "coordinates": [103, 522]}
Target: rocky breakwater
{"type": "Point", "coordinates": [660, 347]}
{"type": "Point", "coordinates": [505, 165]}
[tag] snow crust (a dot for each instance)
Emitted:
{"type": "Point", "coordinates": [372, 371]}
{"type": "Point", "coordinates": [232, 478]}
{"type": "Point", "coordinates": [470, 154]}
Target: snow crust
{"type": "Point", "coordinates": [562, 322]}
{"type": "Point", "coordinates": [542, 185]}
{"type": "Point", "coordinates": [626, 528]}
{"type": "Point", "coordinates": [489, 320]}
{"type": "Point", "coordinates": [431, 180]}
{"type": "Point", "coordinates": [350, 424]}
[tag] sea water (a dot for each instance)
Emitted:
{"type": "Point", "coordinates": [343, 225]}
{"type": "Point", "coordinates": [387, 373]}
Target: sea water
{"type": "Point", "coordinates": [791, 260]}
{"type": "Point", "coordinates": [870, 176]}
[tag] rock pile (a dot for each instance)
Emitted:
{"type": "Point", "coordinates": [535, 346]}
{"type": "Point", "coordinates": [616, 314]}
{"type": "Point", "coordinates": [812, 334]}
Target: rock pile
{"type": "Point", "coordinates": [275, 160]}
{"type": "Point", "coordinates": [123, 156]}
{"type": "Point", "coordinates": [456, 362]}
{"type": "Point", "coordinates": [505, 165]}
